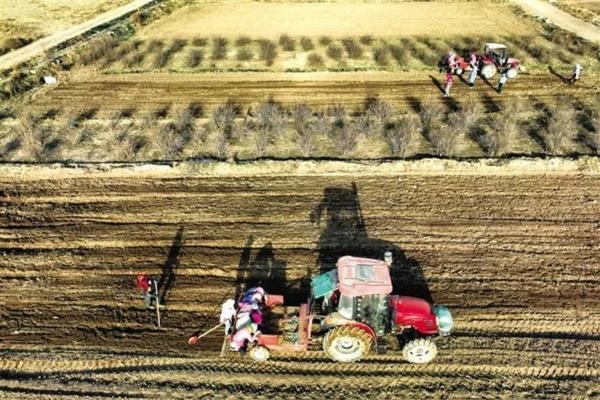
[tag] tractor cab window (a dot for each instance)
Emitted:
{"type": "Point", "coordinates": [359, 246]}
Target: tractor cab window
{"type": "Point", "coordinates": [347, 307]}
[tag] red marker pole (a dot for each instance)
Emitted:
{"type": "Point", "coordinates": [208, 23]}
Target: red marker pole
{"type": "Point", "coordinates": [194, 339]}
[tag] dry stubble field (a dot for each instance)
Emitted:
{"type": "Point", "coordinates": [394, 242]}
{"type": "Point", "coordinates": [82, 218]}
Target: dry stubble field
{"type": "Point", "coordinates": [513, 250]}
{"type": "Point", "coordinates": [337, 19]}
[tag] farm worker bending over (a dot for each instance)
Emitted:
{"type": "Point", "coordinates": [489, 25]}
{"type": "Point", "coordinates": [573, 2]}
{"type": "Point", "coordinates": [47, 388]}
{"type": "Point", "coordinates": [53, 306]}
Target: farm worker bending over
{"type": "Point", "coordinates": [227, 314]}
{"type": "Point", "coordinates": [577, 70]}
{"type": "Point", "coordinates": [145, 285]}
{"type": "Point", "coordinates": [243, 337]}
{"type": "Point", "coordinates": [141, 283]}
{"type": "Point", "coordinates": [253, 298]}
{"type": "Point", "coordinates": [449, 80]}
{"type": "Point", "coordinates": [250, 307]}
{"type": "Point", "coordinates": [502, 82]}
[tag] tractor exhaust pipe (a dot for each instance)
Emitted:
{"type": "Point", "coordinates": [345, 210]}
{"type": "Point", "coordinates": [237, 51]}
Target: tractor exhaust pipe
{"type": "Point", "coordinates": [387, 257]}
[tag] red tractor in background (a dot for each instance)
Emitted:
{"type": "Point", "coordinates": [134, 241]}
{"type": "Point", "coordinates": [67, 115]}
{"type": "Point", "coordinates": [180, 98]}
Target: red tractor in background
{"type": "Point", "coordinates": [351, 312]}
{"type": "Point", "coordinates": [495, 58]}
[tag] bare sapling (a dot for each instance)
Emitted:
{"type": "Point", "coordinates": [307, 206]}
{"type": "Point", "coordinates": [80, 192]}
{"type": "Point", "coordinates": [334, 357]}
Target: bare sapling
{"type": "Point", "coordinates": [562, 130]}
{"type": "Point", "coordinates": [306, 129]}
{"type": "Point", "coordinates": [271, 122]}
{"type": "Point", "coordinates": [503, 131]}
{"type": "Point", "coordinates": [401, 133]}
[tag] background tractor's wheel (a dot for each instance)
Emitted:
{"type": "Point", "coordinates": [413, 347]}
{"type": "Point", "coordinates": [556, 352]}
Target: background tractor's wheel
{"type": "Point", "coordinates": [488, 71]}
{"type": "Point", "coordinates": [347, 343]}
{"type": "Point", "coordinates": [512, 73]}
{"type": "Point", "coordinates": [458, 71]}
{"type": "Point", "coordinates": [259, 353]}
{"type": "Point", "coordinates": [419, 351]}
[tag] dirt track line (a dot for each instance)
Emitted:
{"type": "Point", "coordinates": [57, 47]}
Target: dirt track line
{"type": "Point", "coordinates": [23, 369]}
{"type": "Point", "coordinates": [26, 53]}
{"type": "Point", "coordinates": [560, 18]}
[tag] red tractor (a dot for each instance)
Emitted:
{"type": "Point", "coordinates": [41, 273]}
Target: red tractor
{"type": "Point", "coordinates": [495, 57]}
{"type": "Point", "coordinates": [352, 312]}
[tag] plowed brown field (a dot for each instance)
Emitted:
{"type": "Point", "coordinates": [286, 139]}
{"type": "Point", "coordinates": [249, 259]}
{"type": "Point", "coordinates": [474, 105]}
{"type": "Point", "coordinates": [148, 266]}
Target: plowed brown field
{"type": "Point", "coordinates": [404, 90]}
{"type": "Point", "coordinates": [513, 250]}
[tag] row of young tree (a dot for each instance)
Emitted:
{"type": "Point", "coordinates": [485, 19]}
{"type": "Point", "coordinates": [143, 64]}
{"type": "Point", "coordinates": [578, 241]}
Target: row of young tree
{"type": "Point", "coordinates": [207, 52]}
{"type": "Point", "coordinates": [270, 129]}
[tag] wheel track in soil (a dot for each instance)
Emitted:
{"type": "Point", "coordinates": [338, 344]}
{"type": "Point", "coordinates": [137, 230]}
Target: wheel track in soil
{"type": "Point", "coordinates": [242, 381]}
{"type": "Point", "coordinates": [228, 366]}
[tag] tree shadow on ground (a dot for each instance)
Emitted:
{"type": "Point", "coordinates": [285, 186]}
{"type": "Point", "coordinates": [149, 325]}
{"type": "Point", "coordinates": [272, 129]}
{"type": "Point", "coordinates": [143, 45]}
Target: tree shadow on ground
{"type": "Point", "coordinates": [538, 125]}
{"type": "Point", "coordinates": [345, 233]}
{"type": "Point", "coordinates": [490, 104]}
{"type": "Point", "coordinates": [169, 268]}
{"type": "Point", "coordinates": [415, 104]}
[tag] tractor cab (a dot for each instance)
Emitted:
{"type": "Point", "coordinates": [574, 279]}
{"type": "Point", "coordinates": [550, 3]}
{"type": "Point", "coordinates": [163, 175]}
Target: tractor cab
{"type": "Point", "coordinates": [496, 58]}
{"type": "Point", "coordinates": [496, 53]}
{"type": "Point", "coordinates": [357, 291]}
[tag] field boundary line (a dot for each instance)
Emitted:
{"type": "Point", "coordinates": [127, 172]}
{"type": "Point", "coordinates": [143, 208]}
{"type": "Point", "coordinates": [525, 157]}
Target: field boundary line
{"type": "Point", "coordinates": [28, 52]}
{"type": "Point", "coordinates": [523, 166]}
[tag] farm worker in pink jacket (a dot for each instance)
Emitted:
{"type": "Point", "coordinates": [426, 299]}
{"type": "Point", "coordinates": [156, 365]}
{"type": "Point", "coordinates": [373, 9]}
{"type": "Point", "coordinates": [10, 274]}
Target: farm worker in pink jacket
{"type": "Point", "coordinates": [243, 337]}
{"type": "Point", "coordinates": [449, 81]}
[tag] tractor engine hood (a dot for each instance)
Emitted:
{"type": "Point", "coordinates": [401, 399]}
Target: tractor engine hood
{"type": "Point", "coordinates": [412, 312]}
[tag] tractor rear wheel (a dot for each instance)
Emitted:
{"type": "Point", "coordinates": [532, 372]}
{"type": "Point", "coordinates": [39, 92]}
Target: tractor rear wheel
{"type": "Point", "coordinates": [259, 353]}
{"type": "Point", "coordinates": [347, 343]}
{"type": "Point", "coordinates": [488, 71]}
{"type": "Point", "coordinates": [419, 351]}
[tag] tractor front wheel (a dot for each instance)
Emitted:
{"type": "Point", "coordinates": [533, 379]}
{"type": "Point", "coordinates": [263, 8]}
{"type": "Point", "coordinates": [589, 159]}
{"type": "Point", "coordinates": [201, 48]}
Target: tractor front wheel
{"type": "Point", "coordinates": [347, 343]}
{"type": "Point", "coordinates": [419, 351]}
{"type": "Point", "coordinates": [259, 353]}
{"type": "Point", "coordinates": [512, 72]}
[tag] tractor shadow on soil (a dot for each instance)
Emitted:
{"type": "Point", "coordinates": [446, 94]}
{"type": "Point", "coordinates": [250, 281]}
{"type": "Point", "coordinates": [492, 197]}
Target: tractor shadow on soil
{"type": "Point", "coordinates": [167, 277]}
{"type": "Point", "coordinates": [345, 233]}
